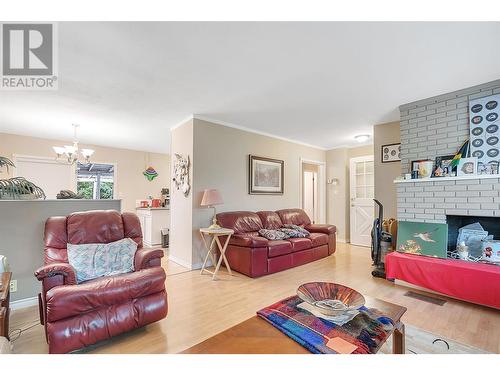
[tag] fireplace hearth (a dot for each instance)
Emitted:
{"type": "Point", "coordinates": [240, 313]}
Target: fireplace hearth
{"type": "Point", "coordinates": [489, 224]}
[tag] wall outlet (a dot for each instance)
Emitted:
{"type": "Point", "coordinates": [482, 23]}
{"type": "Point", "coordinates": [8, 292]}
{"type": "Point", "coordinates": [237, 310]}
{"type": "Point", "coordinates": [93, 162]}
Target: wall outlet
{"type": "Point", "coordinates": [13, 286]}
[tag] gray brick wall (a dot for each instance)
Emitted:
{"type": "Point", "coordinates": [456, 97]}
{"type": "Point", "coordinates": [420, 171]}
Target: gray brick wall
{"type": "Point", "coordinates": [431, 201]}
{"type": "Point", "coordinates": [437, 126]}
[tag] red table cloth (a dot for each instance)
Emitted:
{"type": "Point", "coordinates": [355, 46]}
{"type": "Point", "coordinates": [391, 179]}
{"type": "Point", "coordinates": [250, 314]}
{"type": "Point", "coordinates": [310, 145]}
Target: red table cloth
{"type": "Point", "coordinates": [474, 282]}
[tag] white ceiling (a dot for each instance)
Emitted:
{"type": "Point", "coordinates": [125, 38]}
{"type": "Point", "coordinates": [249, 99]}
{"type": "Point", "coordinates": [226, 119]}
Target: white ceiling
{"type": "Point", "coordinates": [317, 83]}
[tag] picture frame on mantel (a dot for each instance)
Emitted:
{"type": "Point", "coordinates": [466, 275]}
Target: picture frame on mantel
{"type": "Point", "coordinates": [391, 153]}
{"type": "Point", "coordinates": [266, 176]}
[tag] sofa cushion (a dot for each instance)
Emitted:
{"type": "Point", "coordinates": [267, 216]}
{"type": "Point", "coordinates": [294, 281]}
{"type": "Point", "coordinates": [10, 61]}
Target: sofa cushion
{"type": "Point", "coordinates": [270, 219]}
{"type": "Point", "coordinates": [247, 240]}
{"type": "Point", "coordinates": [70, 300]}
{"type": "Point", "coordinates": [299, 244]}
{"type": "Point", "coordinates": [294, 216]}
{"type": "Point", "coordinates": [272, 234]}
{"type": "Point", "coordinates": [318, 239]}
{"type": "Point", "coordinates": [279, 247]}
{"type": "Point", "coordinates": [91, 261]}
{"type": "Point", "coordinates": [240, 221]}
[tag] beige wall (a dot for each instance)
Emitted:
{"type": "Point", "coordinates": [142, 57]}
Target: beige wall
{"type": "Point", "coordinates": [385, 173]}
{"type": "Point", "coordinates": [182, 232]}
{"type": "Point", "coordinates": [338, 196]}
{"type": "Point", "coordinates": [221, 162]}
{"type": "Point", "coordinates": [219, 156]}
{"type": "Point", "coordinates": [131, 183]}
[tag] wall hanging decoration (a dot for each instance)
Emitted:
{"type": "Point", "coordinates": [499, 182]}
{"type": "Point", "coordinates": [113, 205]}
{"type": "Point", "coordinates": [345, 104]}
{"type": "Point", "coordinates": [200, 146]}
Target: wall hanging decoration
{"type": "Point", "coordinates": [181, 173]}
{"type": "Point", "coordinates": [18, 187]}
{"type": "Point", "coordinates": [266, 176]}
{"type": "Point", "coordinates": [391, 153]}
{"type": "Point", "coordinates": [485, 133]}
{"type": "Point", "coordinates": [429, 239]}
{"type": "Point", "coordinates": [150, 173]}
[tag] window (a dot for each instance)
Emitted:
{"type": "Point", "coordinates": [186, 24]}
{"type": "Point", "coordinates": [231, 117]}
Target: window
{"type": "Point", "coordinates": [95, 181]}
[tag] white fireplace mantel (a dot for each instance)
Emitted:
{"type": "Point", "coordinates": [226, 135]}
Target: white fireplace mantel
{"type": "Point", "coordinates": [456, 178]}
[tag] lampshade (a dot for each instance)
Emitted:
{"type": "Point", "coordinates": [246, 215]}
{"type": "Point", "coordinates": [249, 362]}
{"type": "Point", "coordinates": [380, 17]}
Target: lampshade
{"type": "Point", "coordinates": [211, 197]}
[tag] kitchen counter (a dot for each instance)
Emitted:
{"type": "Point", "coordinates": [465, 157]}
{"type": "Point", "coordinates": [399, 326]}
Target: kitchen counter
{"type": "Point", "coordinates": [153, 221]}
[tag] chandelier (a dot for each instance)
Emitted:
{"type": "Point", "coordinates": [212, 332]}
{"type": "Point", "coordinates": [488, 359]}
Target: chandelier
{"type": "Point", "coordinates": [73, 154]}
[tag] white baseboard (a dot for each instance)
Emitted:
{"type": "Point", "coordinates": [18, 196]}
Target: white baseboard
{"type": "Point", "coordinates": [196, 266]}
{"type": "Point", "coordinates": [180, 262]}
{"type": "Point", "coordinates": [22, 303]}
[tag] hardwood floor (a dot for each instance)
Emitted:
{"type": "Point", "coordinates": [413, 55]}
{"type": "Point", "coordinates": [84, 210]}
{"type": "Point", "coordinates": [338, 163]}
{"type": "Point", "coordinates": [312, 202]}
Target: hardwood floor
{"type": "Point", "coordinates": [199, 307]}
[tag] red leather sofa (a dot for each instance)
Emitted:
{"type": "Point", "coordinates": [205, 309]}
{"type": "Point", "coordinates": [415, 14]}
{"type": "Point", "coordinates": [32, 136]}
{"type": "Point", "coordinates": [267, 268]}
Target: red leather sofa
{"type": "Point", "coordinates": [77, 315]}
{"type": "Point", "coordinates": [255, 256]}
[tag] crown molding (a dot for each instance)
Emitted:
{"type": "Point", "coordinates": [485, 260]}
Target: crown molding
{"type": "Point", "coordinates": [244, 128]}
{"type": "Point", "coordinates": [182, 122]}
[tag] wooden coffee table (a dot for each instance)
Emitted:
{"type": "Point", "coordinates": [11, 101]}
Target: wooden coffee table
{"type": "Point", "coordinates": [257, 336]}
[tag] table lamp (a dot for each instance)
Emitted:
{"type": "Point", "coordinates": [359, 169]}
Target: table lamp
{"type": "Point", "coordinates": [211, 197]}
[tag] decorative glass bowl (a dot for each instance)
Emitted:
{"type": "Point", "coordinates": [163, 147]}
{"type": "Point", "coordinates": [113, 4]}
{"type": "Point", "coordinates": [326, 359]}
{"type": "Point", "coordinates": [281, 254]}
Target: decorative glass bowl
{"type": "Point", "coordinates": [329, 298]}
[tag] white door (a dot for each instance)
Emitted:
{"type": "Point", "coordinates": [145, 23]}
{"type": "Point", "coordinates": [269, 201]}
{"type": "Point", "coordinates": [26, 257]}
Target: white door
{"type": "Point", "coordinates": [46, 173]}
{"type": "Point", "coordinates": [310, 195]}
{"type": "Point", "coordinates": [362, 193]}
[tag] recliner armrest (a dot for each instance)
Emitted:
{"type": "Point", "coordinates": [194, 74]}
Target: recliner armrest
{"type": "Point", "coordinates": [247, 241]}
{"type": "Point", "coordinates": [146, 258]}
{"type": "Point", "coordinates": [321, 228]}
{"type": "Point", "coordinates": [57, 269]}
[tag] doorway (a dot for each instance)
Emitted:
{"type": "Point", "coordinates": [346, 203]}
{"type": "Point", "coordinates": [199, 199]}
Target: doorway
{"type": "Point", "coordinates": [362, 191]}
{"type": "Point", "coordinates": [313, 189]}
{"type": "Point", "coordinates": [310, 191]}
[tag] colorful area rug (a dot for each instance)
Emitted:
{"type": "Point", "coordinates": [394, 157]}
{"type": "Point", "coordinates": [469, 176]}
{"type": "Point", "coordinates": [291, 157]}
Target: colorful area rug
{"type": "Point", "coordinates": [364, 334]}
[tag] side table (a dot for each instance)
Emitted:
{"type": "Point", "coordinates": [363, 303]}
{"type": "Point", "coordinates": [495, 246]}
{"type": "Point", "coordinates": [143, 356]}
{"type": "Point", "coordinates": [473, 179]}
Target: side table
{"type": "Point", "coordinates": [212, 250]}
{"type": "Point", "coordinates": [5, 278]}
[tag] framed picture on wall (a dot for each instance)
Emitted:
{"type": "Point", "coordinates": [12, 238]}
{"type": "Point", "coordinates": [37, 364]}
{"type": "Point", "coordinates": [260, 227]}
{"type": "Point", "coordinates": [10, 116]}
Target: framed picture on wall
{"type": "Point", "coordinates": [391, 153]}
{"type": "Point", "coordinates": [266, 176]}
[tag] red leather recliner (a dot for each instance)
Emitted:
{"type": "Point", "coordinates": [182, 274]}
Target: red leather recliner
{"type": "Point", "coordinates": [77, 315]}
{"type": "Point", "coordinates": [255, 256]}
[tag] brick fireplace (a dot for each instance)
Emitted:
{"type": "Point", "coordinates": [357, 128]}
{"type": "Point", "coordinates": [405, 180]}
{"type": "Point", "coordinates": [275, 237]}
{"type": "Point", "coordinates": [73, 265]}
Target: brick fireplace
{"type": "Point", "coordinates": [434, 127]}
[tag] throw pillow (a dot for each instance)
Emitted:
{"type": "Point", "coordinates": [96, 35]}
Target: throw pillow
{"type": "Point", "coordinates": [292, 233]}
{"type": "Point", "coordinates": [272, 234]}
{"type": "Point", "coordinates": [297, 227]}
{"type": "Point", "coordinates": [94, 260]}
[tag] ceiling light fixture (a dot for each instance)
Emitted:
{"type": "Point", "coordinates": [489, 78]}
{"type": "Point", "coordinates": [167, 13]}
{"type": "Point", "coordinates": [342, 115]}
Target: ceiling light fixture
{"type": "Point", "coordinates": [362, 138]}
{"type": "Point", "coordinates": [72, 153]}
